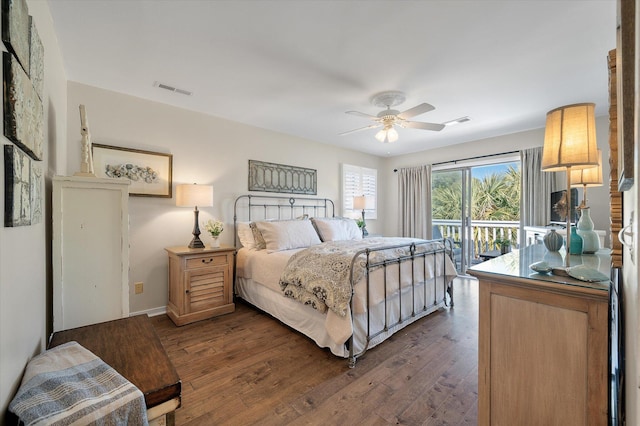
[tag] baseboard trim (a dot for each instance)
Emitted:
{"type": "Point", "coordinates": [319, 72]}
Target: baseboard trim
{"type": "Point", "coordinates": [151, 312]}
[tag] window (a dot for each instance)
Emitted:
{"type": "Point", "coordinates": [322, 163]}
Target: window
{"type": "Point", "coordinates": [359, 181]}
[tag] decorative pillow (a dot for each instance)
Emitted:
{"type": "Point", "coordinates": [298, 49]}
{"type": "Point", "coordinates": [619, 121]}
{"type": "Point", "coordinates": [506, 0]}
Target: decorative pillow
{"type": "Point", "coordinates": [288, 234]}
{"type": "Point", "coordinates": [245, 235]}
{"type": "Point", "coordinates": [257, 237]}
{"type": "Point", "coordinates": [337, 229]}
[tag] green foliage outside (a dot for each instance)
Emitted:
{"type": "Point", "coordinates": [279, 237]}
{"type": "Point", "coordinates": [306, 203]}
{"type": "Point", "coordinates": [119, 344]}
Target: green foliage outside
{"type": "Point", "coordinates": [494, 197]}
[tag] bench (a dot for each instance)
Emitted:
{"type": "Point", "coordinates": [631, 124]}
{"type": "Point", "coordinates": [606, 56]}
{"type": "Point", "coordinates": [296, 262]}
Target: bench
{"type": "Point", "coordinates": [132, 347]}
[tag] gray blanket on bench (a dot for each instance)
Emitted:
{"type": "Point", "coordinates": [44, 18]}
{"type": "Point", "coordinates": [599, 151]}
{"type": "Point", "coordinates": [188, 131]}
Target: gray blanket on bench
{"type": "Point", "coordinates": [70, 385]}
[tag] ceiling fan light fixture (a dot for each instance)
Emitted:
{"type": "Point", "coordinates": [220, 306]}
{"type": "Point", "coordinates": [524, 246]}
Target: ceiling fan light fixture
{"type": "Point", "coordinates": [387, 135]}
{"type": "Point", "coordinates": [392, 135]}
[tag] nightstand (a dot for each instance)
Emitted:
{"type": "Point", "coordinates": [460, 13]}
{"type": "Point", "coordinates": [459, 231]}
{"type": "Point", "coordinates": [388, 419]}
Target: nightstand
{"type": "Point", "coordinates": [199, 283]}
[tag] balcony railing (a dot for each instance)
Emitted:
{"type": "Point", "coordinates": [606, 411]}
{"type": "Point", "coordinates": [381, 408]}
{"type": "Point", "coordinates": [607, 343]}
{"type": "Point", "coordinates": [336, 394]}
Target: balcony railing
{"type": "Point", "coordinates": [484, 233]}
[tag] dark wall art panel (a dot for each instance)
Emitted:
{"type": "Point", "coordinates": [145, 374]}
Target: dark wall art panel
{"type": "Point", "coordinates": [23, 113]}
{"type": "Point", "coordinates": [15, 29]}
{"type": "Point", "coordinates": [17, 187]}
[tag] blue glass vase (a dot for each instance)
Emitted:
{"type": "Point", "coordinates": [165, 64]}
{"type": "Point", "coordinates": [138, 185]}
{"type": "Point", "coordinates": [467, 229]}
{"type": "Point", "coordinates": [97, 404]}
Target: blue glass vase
{"type": "Point", "coordinates": [575, 246]}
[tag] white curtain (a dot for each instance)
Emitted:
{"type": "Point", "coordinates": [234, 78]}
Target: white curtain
{"type": "Point", "coordinates": [536, 190]}
{"type": "Point", "coordinates": [414, 194]}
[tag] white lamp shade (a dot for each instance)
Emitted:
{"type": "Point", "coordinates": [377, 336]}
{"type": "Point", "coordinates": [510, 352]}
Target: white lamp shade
{"type": "Point", "coordinates": [392, 135]}
{"type": "Point", "coordinates": [362, 202]}
{"type": "Point", "coordinates": [588, 177]}
{"type": "Point", "coordinates": [570, 138]}
{"type": "Point", "coordinates": [387, 135]}
{"type": "Point", "coordinates": [192, 195]}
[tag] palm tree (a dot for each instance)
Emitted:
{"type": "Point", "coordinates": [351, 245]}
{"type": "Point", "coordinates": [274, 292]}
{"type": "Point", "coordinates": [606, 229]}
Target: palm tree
{"type": "Point", "coordinates": [494, 197]}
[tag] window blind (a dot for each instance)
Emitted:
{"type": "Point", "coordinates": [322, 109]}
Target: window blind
{"type": "Point", "coordinates": [358, 181]}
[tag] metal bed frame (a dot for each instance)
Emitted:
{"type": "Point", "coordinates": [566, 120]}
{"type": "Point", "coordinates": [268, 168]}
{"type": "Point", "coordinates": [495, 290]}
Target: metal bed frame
{"type": "Point", "coordinates": [281, 208]}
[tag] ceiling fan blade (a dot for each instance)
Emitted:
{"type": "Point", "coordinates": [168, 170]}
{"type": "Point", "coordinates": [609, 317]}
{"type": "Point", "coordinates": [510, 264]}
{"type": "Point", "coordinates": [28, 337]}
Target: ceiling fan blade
{"type": "Point", "coordinates": [362, 114]}
{"type": "Point", "coordinates": [372, 126]}
{"type": "Point", "coordinates": [424, 126]}
{"type": "Point", "coordinates": [416, 110]}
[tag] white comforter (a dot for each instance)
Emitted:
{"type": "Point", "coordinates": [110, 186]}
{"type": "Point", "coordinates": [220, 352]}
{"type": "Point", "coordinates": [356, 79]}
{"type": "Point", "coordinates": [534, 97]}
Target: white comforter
{"type": "Point", "coordinates": [268, 268]}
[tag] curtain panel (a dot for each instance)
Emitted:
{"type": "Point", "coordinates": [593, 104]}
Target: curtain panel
{"type": "Point", "coordinates": [536, 189]}
{"type": "Point", "coordinates": [414, 195]}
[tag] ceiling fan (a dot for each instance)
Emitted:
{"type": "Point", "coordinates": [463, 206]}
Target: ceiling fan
{"type": "Point", "coordinates": [389, 118]}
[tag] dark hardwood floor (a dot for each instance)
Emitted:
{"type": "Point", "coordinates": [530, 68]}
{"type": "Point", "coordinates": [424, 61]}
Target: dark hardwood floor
{"type": "Point", "coordinates": [246, 368]}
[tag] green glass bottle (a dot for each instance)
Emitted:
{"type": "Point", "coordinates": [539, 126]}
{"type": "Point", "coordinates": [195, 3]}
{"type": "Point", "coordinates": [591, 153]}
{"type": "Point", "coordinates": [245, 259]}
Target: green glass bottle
{"type": "Point", "coordinates": [575, 246]}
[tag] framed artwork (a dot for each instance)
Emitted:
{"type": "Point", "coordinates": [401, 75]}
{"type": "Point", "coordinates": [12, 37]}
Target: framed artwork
{"type": "Point", "coordinates": [17, 187]}
{"type": "Point", "coordinates": [150, 172]}
{"type": "Point", "coordinates": [273, 177]}
{"type": "Point", "coordinates": [625, 75]}
{"type": "Point", "coordinates": [23, 113]}
{"type": "Point", "coordinates": [36, 61]}
{"type": "Point", "coordinates": [15, 29]}
{"type": "Point", "coordinates": [35, 192]}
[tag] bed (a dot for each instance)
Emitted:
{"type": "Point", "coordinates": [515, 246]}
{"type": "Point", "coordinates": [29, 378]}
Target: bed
{"type": "Point", "coordinates": [315, 273]}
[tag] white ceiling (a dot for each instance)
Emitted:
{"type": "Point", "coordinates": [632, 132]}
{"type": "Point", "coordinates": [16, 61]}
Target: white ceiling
{"type": "Point", "coordinates": [296, 66]}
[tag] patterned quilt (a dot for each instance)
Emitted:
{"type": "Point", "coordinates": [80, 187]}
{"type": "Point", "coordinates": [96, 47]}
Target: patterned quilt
{"type": "Point", "coordinates": [320, 276]}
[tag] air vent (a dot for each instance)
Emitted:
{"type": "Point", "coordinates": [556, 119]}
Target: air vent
{"type": "Point", "coordinates": [457, 121]}
{"type": "Point", "coordinates": [171, 88]}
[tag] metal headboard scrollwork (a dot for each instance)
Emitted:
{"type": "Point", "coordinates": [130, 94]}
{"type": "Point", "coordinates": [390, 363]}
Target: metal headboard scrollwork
{"type": "Point", "coordinates": [249, 208]}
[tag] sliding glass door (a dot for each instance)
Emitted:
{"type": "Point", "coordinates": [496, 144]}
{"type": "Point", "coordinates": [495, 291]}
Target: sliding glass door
{"type": "Point", "coordinates": [450, 200]}
{"type": "Point", "coordinates": [478, 208]}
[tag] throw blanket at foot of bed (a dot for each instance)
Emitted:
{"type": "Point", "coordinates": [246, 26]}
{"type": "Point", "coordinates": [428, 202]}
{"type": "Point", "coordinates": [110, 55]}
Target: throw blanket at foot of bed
{"type": "Point", "coordinates": [70, 385]}
{"type": "Point", "coordinates": [320, 275]}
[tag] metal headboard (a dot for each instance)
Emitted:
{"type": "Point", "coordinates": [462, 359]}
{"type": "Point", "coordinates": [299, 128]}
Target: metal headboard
{"type": "Point", "coordinates": [251, 207]}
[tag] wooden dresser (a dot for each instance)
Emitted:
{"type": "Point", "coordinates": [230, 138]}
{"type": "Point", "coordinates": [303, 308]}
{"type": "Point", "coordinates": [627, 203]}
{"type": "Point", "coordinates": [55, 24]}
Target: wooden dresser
{"type": "Point", "coordinates": [200, 283]}
{"type": "Point", "coordinates": [543, 342]}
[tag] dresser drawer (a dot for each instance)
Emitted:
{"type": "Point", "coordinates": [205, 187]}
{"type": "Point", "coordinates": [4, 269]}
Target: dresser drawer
{"type": "Point", "coordinates": [205, 261]}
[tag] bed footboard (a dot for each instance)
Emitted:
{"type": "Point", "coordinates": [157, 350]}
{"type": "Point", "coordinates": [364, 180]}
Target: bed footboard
{"type": "Point", "coordinates": [422, 267]}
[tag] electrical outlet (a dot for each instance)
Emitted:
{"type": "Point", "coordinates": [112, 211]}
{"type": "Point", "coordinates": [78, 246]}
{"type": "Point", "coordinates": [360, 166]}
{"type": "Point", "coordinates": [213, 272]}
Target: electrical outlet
{"type": "Point", "coordinates": [139, 287]}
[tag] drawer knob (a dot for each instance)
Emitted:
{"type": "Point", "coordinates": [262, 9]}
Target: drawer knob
{"type": "Point", "coordinates": [186, 291]}
{"type": "Point", "coordinates": [207, 260]}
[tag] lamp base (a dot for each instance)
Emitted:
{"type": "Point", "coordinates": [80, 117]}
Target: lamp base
{"type": "Point", "coordinates": [196, 242]}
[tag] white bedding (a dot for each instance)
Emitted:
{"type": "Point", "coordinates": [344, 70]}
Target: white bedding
{"type": "Point", "coordinates": [257, 281]}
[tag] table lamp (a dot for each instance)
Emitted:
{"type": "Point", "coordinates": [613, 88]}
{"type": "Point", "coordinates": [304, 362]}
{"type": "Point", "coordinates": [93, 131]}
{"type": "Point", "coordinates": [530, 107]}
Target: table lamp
{"type": "Point", "coordinates": [193, 196]}
{"type": "Point", "coordinates": [569, 145]}
{"type": "Point", "coordinates": [587, 178]}
{"type": "Point", "coordinates": [360, 203]}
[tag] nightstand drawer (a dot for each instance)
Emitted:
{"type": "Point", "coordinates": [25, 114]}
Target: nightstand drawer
{"type": "Point", "coordinates": [204, 261]}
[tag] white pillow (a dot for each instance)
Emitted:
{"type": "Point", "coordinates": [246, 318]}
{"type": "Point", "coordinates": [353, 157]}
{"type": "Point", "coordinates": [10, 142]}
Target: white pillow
{"type": "Point", "coordinates": [288, 234]}
{"type": "Point", "coordinates": [245, 235]}
{"type": "Point", "coordinates": [337, 229]}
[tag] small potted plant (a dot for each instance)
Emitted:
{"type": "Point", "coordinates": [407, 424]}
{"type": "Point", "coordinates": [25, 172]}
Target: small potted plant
{"type": "Point", "coordinates": [215, 228]}
{"type": "Point", "coordinates": [504, 244]}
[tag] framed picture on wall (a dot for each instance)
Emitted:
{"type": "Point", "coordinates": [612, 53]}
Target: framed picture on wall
{"type": "Point", "coordinates": [17, 187]}
{"type": "Point", "coordinates": [625, 75]}
{"type": "Point", "coordinates": [150, 173]}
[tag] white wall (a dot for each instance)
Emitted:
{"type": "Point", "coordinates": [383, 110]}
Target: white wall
{"type": "Point", "coordinates": [211, 150]}
{"type": "Point", "coordinates": [24, 251]}
{"type": "Point", "coordinates": [598, 197]}
{"type": "Point", "coordinates": [206, 150]}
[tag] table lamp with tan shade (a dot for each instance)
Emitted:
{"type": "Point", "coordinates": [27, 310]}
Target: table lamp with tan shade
{"type": "Point", "coordinates": [570, 145]}
{"type": "Point", "coordinates": [193, 195]}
